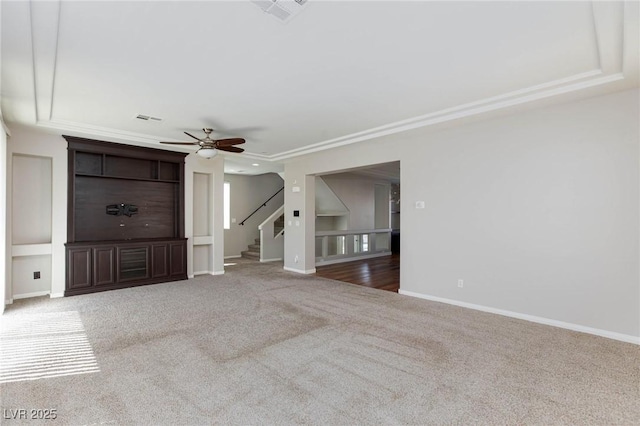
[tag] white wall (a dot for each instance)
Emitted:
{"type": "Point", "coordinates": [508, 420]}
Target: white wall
{"type": "Point", "coordinates": [202, 204]}
{"type": "Point", "coordinates": [358, 194]}
{"type": "Point", "coordinates": [538, 212]}
{"type": "Point", "coordinates": [23, 284]}
{"type": "Point", "coordinates": [247, 194]}
{"type": "Point", "coordinates": [3, 216]}
{"type": "Point", "coordinates": [327, 202]}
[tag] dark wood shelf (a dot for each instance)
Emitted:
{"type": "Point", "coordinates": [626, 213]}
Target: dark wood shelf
{"type": "Point", "coordinates": [137, 240]}
{"type": "Point", "coordinates": [127, 178]}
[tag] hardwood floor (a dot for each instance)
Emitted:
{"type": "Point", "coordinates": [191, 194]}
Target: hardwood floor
{"type": "Point", "coordinates": [380, 272]}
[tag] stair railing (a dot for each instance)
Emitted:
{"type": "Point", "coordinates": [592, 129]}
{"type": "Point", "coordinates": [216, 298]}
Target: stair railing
{"type": "Point", "coordinates": [261, 206]}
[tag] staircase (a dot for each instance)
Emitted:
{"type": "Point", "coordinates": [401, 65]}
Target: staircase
{"type": "Point", "coordinates": [253, 251]}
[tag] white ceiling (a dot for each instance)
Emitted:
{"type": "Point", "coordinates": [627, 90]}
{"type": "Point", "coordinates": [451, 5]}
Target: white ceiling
{"type": "Point", "coordinates": [338, 73]}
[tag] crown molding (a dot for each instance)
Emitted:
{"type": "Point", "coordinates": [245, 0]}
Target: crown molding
{"type": "Point", "coordinates": [91, 130]}
{"type": "Point", "coordinates": [558, 87]}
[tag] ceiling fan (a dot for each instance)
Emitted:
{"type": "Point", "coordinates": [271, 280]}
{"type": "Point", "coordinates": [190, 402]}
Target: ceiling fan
{"type": "Point", "coordinates": [210, 147]}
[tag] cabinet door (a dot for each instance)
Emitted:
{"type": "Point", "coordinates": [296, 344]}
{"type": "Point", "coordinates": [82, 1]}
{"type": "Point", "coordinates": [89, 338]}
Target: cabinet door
{"type": "Point", "coordinates": [79, 268]}
{"type": "Point", "coordinates": [104, 266]}
{"type": "Point", "coordinates": [133, 263]}
{"type": "Point", "coordinates": [159, 260]}
{"type": "Point", "coordinates": [178, 257]}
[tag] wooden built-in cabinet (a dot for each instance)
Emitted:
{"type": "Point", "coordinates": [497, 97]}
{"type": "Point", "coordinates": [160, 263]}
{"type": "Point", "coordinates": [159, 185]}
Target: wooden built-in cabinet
{"type": "Point", "coordinates": [108, 266]}
{"type": "Point", "coordinates": [107, 251]}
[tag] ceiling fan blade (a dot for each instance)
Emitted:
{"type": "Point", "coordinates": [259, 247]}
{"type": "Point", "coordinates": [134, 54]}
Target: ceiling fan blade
{"type": "Point", "coordinates": [230, 141]}
{"type": "Point", "coordinates": [181, 143]}
{"type": "Point", "coordinates": [230, 149]}
{"type": "Point", "coordinates": [189, 134]}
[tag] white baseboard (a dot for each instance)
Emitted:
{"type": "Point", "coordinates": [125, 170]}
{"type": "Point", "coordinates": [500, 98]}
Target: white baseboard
{"type": "Point", "coordinates": [271, 260]}
{"type": "Point", "coordinates": [28, 295]}
{"type": "Point", "coordinates": [233, 257]}
{"type": "Point", "coordinates": [207, 273]}
{"type": "Point", "coordinates": [34, 294]}
{"type": "Point", "coordinates": [300, 271]}
{"type": "Point", "coordinates": [540, 320]}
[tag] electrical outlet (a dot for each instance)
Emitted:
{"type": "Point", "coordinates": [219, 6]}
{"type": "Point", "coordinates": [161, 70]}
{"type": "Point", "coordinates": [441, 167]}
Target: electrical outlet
{"type": "Point", "coordinates": [36, 275]}
{"type": "Point", "coordinates": [460, 283]}
{"type": "Point", "coordinates": [295, 260]}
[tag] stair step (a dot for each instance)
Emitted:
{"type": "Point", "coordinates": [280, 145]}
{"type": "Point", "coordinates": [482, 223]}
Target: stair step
{"type": "Point", "coordinates": [250, 254]}
{"type": "Point", "coordinates": [257, 240]}
{"type": "Point", "coordinates": [254, 247]}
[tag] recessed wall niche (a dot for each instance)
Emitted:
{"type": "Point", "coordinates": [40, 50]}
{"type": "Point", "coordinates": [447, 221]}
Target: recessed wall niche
{"type": "Point", "coordinates": [202, 263]}
{"type": "Point", "coordinates": [31, 225]}
{"type": "Point", "coordinates": [31, 202]}
{"type": "Point", "coordinates": [202, 223]}
{"type": "Point", "coordinates": [202, 213]}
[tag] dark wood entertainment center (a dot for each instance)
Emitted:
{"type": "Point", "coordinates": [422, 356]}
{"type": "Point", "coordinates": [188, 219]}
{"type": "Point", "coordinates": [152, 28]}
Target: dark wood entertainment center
{"type": "Point", "coordinates": [125, 215]}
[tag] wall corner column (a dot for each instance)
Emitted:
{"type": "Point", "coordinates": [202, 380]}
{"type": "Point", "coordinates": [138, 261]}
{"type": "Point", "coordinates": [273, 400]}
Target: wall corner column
{"type": "Point", "coordinates": [299, 247]}
{"type": "Point", "coordinates": [217, 196]}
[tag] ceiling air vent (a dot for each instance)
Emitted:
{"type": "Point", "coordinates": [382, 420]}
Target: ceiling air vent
{"type": "Point", "coordinates": [147, 118]}
{"type": "Point", "coordinates": [284, 10]}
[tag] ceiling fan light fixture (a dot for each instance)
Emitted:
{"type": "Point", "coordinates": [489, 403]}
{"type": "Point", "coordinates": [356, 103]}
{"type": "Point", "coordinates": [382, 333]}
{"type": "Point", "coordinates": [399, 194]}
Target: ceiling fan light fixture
{"type": "Point", "coordinates": [207, 152]}
{"type": "Point", "coordinates": [208, 147]}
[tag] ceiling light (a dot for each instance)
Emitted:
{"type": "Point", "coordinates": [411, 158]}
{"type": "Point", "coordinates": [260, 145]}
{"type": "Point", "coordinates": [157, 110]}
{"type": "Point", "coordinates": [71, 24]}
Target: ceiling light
{"type": "Point", "coordinates": [255, 164]}
{"type": "Point", "coordinates": [148, 117]}
{"type": "Point", "coordinates": [207, 152]}
{"type": "Point", "coordinates": [284, 10]}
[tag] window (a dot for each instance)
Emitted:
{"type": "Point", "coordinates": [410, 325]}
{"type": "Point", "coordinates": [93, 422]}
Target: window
{"type": "Point", "coordinates": [227, 205]}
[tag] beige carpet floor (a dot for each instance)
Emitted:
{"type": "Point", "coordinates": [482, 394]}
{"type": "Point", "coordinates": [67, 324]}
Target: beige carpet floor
{"type": "Point", "coordinates": [263, 346]}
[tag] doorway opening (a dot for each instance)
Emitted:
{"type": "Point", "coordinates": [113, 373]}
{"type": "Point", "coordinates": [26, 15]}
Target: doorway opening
{"type": "Point", "coordinates": [358, 226]}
